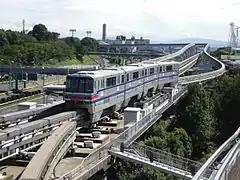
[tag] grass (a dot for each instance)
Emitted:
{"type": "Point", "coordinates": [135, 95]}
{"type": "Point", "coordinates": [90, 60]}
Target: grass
{"type": "Point", "coordinates": [86, 59]}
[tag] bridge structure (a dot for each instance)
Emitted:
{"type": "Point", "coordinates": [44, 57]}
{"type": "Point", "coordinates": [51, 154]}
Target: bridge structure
{"type": "Point", "coordinates": [150, 48]}
{"type": "Point", "coordinates": [48, 70]}
{"type": "Point", "coordinates": [152, 45]}
{"type": "Point", "coordinates": [144, 54]}
{"type": "Point", "coordinates": [122, 144]}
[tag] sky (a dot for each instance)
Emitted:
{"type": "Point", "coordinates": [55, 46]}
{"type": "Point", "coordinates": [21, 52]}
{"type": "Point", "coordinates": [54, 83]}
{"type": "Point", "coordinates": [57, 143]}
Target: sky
{"type": "Point", "coordinates": [158, 20]}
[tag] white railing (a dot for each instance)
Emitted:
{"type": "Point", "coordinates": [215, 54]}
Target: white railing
{"type": "Point", "coordinates": [233, 155]}
{"type": "Point", "coordinates": [159, 156]}
{"type": "Point", "coordinates": [211, 160]}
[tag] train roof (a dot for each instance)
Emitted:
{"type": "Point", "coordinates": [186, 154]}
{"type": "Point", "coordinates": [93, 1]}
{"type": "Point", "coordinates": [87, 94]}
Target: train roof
{"type": "Point", "coordinates": [98, 73]}
{"type": "Point", "coordinates": [115, 70]}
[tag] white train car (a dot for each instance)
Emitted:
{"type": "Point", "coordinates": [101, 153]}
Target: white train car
{"type": "Point", "coordinates": [104, 91]}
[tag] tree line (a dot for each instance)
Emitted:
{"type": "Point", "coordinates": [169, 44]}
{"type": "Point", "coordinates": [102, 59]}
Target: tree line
{"type": "Point", "coordinates": [41, 46]}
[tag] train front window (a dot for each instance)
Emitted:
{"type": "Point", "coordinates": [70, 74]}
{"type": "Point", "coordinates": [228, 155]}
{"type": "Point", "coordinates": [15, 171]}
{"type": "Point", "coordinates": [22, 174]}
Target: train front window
{"type": "Point", "coordinates": [72, 84]}
{"type": "Point", "coordinates": [79, 84]}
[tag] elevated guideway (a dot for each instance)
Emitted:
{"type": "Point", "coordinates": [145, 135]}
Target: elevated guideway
{"type": "Point", "coordinates": [188, 63]}
{"type": "Point", "coordinates": [229, 167]}
{"type": "Point", "coordinates": [48, 70]}
{"type": "Point", "coordinates": [42, 164]}
{"type": "Point", "coordinates": [152, 45]}
{"type": "Point", "coordinates": [17, 117]}
{"type": "Point", "coordinates": [23, 137]}
{"type": "Point", "coordinates": [204, 76]}
{"type": "Point", "coordinates": [126, 54]}
{"type": "Point", "coordinates": [180, 55]}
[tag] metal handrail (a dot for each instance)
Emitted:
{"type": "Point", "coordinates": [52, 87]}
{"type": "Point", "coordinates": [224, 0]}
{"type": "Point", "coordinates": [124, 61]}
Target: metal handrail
{"type": "Point", "coordinates": [210, 160]}
{"type": "Point", "coordinates": [232, 154]}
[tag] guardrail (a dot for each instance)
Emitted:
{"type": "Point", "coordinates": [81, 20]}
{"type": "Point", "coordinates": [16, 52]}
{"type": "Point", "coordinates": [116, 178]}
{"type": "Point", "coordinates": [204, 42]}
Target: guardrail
{"type": "Point", "coordinates": [204, 76]}
{"type": "Point", "coordinates": [165, 161]}
{"type": "Point", "coordinates": [230, 160]}
{"type": "Point", "coordinates": [211, 160]}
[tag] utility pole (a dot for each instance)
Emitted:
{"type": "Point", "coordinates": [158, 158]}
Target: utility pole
{"type": "Point", "coordinates": [23, 26]}
{"type": "Point", "coordinates": [72, 31]}
{"type": "Point", "coordinates": [10, 76]}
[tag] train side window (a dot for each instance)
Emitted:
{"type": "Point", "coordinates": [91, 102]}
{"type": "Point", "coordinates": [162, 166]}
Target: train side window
{"type": "Point", "coordinates": [95, 85]}
{"type": "Point", "coordinates": [157, 69]}
{"type": "Point", "coordinates": [127, 77]}
{"type": "Point", "coordinates": [119, 79]}
{"type": "Point", "coordinates": [163, 68]}
{"type": "Point", "coordinates": [151, 70]}
{"type": "Point", "coordinates": [160, 69]}
{"type": "Point", "coordinates": [122, 78]}
{"type": "Point", "coordinates": [135, 75]}
{"type": "Point", "coordinates": [98, 85]}
{"type": "Point", "coordinates": [145, 72]}
{"type": "Point", "coordinates": [142, 73]}
{"type": "Point", "coordinates": [169, 68]}
{"type": "Point", "coordinates": [111, 81]}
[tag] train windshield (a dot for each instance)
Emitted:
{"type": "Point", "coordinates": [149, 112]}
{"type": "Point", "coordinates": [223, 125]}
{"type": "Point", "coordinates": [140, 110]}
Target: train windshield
{"type": "Point", "coordinates": [79, 84]}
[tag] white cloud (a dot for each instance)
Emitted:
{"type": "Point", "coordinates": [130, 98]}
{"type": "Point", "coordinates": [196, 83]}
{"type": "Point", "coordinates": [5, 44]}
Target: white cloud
{"type": "Point", "coordinates": [155, 19]}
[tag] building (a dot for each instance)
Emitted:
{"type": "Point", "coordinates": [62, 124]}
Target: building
{"type": "Point", "coordinates": [104, 32]}
{"type": "Point", "coordinates": [122, 40]}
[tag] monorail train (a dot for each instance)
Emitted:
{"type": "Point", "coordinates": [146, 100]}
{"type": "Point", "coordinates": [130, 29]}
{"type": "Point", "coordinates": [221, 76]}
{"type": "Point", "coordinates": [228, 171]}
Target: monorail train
{"type": "Point", "coordinates": [103, 91]}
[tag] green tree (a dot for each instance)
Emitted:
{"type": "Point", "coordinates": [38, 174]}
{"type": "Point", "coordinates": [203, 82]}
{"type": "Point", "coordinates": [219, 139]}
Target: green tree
{"type": "Point", "coordinates": [128, 171]}
{"type": "Point", "coordinates": [40, 32]}
{"type": "Point", "coordinates": [90, 44]}
{"type": "Point", "coordinates": [3, 37]}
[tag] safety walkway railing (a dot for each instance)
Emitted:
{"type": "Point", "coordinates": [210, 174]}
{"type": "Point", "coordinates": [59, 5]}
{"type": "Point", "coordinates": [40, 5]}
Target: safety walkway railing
{"type": "Point", "coordinates": [215, 155]}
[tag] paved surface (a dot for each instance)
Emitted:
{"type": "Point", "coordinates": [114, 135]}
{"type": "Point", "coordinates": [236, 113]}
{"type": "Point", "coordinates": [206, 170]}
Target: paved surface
{"type": "Point", "coordinates": [67, 164]}
{"type": "Point", "coordinates": [13, 170]}
{"type": "Point", "coordinates": [4, 87]}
